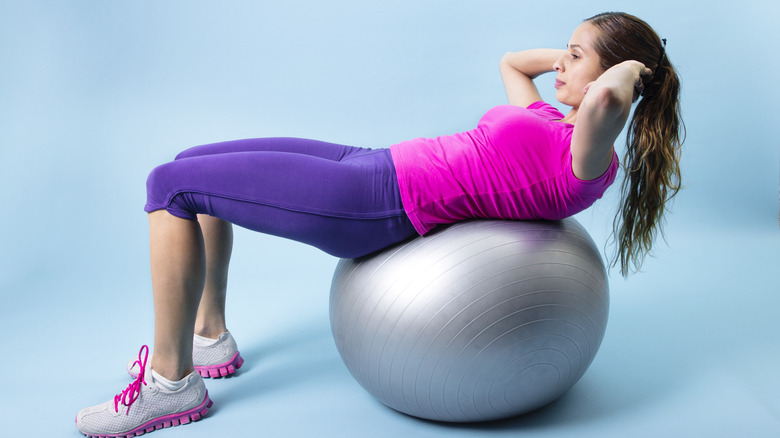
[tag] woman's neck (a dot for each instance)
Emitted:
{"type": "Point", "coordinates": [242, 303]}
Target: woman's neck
{"type": "Point", "coordinates": [571, 117]}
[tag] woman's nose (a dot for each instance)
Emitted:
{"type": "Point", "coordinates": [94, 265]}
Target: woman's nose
{"type": "Point", "coordinates": [558, 65]}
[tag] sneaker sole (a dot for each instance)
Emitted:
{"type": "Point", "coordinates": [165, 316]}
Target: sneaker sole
{"type": "Point", "coordinates": [223, 369]}
{"type": "Point", "coordinates": [172, 420]}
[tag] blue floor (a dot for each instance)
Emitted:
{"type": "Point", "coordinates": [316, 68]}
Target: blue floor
{"type": "Point", "coordinates": [95, 94]}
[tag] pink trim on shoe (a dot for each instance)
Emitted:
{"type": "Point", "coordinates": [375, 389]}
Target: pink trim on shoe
{"type": "Point", "coordinates": [223, 369]}
{"type": "Point", "coordinates": [186, 417]}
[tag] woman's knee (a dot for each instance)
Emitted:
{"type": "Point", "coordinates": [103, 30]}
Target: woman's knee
{"type": "Point", "coordinates": [158, 182]}
{"type": "Point", "coordinates": [164, 192]}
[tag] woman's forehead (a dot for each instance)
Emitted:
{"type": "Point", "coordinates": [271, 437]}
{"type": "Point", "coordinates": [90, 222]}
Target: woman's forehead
{"type": "Point", "coordinates": [583, 37]}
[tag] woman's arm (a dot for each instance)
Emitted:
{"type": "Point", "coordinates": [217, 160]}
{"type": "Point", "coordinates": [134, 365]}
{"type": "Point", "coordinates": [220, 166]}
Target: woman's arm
{"type": "Point", "coordinates": [518, 70]}
{"type": "Point", "coordinates": [601, 117]}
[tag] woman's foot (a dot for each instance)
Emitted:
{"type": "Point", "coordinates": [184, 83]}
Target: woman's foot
{"type": "Point", "coordinates": [212, 357]}
{"type": "Point", "coordinates": [149, 403]}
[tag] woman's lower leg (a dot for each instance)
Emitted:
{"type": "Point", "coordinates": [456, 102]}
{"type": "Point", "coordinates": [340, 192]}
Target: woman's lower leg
{"type": "Point", "coordinates": [218, 240]}
{"type": "Point", "coordinates": [178, 267]}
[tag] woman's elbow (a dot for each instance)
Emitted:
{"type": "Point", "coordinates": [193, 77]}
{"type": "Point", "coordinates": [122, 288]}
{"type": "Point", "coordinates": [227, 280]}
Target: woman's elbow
{"type": "Point", "coordinates": [504, 60]}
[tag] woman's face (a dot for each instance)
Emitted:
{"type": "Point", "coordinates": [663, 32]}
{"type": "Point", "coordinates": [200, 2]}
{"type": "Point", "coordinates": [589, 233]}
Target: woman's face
{"type": "Point", "coordinates": [578, 67]}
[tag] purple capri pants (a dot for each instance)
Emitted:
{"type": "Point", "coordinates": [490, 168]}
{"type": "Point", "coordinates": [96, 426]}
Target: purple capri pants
{"type": "Point", "coordinates": [343, 200]}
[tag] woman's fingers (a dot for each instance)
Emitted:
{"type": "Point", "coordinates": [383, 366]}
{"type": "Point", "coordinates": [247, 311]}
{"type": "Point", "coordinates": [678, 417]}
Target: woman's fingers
{"type": "Point", "coordinates": [587, 87]}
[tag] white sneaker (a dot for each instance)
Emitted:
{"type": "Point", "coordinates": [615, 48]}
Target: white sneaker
{"type": "Point", "coordinates": [211, 357]}
{"type": "Point", "coordinates": [145, 406]}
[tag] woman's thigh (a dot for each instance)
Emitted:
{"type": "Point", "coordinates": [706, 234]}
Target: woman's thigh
{"type": "Point", "coordinates": [314, 148]}
{"type": "Point", "coordinates": [347, 208]}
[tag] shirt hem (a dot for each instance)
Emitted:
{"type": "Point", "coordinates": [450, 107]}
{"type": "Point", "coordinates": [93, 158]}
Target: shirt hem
{"type": "Point", "coordinates": [403, 188]}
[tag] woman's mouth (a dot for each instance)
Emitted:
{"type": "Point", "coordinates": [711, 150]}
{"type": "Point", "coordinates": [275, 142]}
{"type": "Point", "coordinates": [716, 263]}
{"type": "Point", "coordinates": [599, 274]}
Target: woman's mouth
{"type": "Point", "coordinates": [559, 83]}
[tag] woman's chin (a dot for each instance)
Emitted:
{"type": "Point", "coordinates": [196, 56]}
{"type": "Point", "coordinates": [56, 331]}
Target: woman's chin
{"type": "Point", "coordinates": [560, 96]}
{"type": "Point", "coordinates": [565, 99]}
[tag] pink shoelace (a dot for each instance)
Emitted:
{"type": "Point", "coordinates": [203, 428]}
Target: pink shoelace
{"type": "Point", "coordinates": [130, 395]}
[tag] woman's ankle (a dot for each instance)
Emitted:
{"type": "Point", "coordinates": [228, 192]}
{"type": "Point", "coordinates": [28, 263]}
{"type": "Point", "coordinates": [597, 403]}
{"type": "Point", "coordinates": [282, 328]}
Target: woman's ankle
{"type": "Point", "coordinates": [211, 331]}
{"type": "Point", "coordinates": [171, 371]}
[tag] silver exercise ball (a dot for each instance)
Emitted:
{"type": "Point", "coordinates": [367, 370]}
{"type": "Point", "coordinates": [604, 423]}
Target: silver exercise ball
{"type": "Point", "coordinates": [480, 321]}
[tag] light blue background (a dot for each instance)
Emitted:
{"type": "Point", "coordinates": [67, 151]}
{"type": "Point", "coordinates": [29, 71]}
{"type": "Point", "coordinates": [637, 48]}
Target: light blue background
{"type": "Point", "coordinates": [95, 93]}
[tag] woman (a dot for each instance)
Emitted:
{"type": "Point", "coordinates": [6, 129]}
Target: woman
{"type": "Point", "coordinates": [523, 161]}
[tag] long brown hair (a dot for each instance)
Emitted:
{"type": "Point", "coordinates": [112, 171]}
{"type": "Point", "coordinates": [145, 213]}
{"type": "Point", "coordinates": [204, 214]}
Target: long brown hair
{"type": "Point", "coordinates": [655, 134]}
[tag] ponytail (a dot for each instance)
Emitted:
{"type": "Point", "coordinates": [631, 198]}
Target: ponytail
{"type": "Point", "coordinates": [652, 167]}
{"type": "Point", "coordinates": [655, 134]}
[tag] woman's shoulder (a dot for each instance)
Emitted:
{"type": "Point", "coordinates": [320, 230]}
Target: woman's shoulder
{"type": "Point", "coordinates": [540, 109]}
{"type": "Point", "coordinates": [546, 110]}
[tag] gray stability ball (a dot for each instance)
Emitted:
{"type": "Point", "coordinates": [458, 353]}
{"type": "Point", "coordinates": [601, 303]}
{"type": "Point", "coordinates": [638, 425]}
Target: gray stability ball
{"type": "Point", "coordinates": [479, 321]}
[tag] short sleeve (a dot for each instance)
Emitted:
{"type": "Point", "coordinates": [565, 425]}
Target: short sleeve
{"type": "Point", "coordinates": [595, 188]}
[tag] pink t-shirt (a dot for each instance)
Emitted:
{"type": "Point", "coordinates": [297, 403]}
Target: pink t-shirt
{"type": "Point", "coordinates": [515, 165]}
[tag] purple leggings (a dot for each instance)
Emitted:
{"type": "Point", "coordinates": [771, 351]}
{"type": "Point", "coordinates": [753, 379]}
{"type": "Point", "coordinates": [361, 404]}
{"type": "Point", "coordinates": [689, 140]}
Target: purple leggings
{"type": "Point", "coordinates": [344, 200]}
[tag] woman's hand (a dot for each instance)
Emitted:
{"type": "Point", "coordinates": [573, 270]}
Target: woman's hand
{"type": "Point", "coordinates": [627, 75]}
{"type": "Point", "coordinates": [644, 74]}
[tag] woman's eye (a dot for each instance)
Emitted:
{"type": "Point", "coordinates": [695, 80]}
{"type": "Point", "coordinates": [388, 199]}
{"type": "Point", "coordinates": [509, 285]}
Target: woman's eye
{"type": "Point", "coordinates": [575, 56]}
